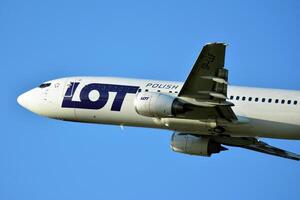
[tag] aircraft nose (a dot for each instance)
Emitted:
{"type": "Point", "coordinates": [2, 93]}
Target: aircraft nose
{"type": "Point", "coordinates": [23, 100]}
{"type": "Point", "coordinates": [36, 101]}
{"type": "Point", "coordinates": [33, 101]}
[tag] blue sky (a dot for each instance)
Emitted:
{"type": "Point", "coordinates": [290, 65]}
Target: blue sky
{"type": "Point", "coordinates": [47, 159]}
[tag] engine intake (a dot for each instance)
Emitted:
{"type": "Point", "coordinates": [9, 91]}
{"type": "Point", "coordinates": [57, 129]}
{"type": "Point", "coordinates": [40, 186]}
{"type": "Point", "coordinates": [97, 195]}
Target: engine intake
{"type": "Point", "coordinates": [152, 104]}
{"type": "Point", "coordinates": [194, 145]}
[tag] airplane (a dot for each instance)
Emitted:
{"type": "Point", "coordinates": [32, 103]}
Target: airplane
{"type": "Point", "coordinates": [204, 112]}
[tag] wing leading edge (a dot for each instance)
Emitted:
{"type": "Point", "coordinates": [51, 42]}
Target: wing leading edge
{"type": "Point", "coordinates": [254, 144]}
{"type": "Point", "coordinates": [268, 149]}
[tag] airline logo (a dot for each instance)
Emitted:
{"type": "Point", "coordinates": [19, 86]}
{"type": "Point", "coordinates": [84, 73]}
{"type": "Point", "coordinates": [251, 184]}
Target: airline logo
{"type": "Point", "coordinates": [103, 89]}
{"type": "Point", "coordinates": [144, 98]}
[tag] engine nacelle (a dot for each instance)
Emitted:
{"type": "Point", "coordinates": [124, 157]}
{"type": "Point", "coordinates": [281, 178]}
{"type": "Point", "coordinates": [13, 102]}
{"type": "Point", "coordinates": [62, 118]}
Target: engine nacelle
{"type": "Point", "coordinates": [152, 104]}
{"type": "Point", "coordinates": [194, 145]}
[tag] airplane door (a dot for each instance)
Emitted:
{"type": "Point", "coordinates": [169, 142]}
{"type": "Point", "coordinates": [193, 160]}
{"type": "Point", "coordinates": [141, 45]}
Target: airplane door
{"type": "Point", "coordinates": [53, 94]}
{"type": "Point", "coordinates": [68, 113]}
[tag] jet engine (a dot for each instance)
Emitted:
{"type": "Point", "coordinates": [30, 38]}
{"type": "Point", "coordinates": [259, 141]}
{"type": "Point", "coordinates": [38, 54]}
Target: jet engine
{"type": "Point", "coordinates": [152, 104]}
{"type": "Point", "coordinates": [194, 145]}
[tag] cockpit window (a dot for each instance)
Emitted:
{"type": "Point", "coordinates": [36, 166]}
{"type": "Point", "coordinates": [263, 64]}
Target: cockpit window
{"type": "Point", "coordinates": [44, 85]}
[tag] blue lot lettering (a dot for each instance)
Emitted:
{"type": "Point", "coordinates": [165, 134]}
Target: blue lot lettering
{"type": "Point", "coordinates": [103, 89]}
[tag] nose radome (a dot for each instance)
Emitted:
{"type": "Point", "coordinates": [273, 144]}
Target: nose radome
{"type": "Point", "coordinates": [36, 101]}
{"type": "Point", "coordinates": [23, 100]}
{"type": "Point", "coordinates": [33, 101]}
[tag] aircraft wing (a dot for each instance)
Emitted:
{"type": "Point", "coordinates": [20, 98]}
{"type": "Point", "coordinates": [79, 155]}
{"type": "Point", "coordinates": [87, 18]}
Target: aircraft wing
{"type": "Point", "coordinates": [255, 145]}
{"type": "Point", "coordinates": [207, 82]}
{"type": "Point", "coordinates": [268, 149]}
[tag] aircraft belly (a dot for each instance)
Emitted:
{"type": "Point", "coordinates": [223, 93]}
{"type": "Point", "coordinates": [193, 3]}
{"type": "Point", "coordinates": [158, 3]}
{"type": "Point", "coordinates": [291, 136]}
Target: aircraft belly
{"type": "Point", "coordinates": [263, 128]}
{"type": "Point", "coordinates": [271, 129]}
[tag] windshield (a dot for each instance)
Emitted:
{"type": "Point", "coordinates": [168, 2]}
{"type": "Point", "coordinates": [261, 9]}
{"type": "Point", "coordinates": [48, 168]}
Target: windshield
{"type": "Point", "coordinates": [43, 85]}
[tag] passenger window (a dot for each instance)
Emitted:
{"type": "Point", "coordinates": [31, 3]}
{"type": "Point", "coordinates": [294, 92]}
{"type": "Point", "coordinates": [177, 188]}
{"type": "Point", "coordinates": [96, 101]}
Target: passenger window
{"type": "Point", "coordinates": [244, 98]}
{"type": "Point", "coordinates": [170, 91]}
{"type": "Point", "coordinates": [250, 99]}
{"type": "Point", "coordinates": [256, 99]}
{"type": "Point", "coordinates": [295, 102]}
{"type": "Point", "coordinates": [158, 90]}
{"type": "Point", "coordinates": [282, 101]}
{"type": "Point", "coordinates": [237, 97]}
{"type": "Point", "coordinates": [276, 101]}
{"type": "Point", "coordinates": [139, 90]}
{"type": "Point", "coordinates": [146, 90]}
{"type": "Point", "coordinates": [231, 97]}
{"type": "Point", "coordinates": [263, 99]}
{"type": "Point", "coordinates": [176, 92]}
{"type": "Point", "coordinates": [270, 100]}
{"type": "Point", "coordinates": [289, 101]}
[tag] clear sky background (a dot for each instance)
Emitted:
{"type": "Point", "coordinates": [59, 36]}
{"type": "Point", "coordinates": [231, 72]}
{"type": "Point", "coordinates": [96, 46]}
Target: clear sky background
{"type": "Point", "coordinates": [47, 159]}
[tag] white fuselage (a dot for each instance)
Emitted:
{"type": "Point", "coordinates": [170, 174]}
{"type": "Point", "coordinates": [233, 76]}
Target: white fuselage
{"type": "Point", "coordinates": [261, 112]}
